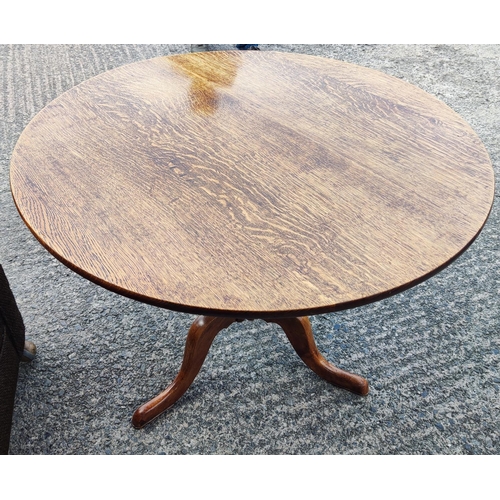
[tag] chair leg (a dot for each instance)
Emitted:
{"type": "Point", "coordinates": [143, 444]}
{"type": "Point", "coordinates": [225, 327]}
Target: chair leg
{"type": "Point", "coordinates": [29, 352]}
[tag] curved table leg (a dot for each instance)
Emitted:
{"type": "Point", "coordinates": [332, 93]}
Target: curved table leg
{"type": "Point", "coordinates": [299, 333]}
{"type": "Point", "coordinates": [199, 339]}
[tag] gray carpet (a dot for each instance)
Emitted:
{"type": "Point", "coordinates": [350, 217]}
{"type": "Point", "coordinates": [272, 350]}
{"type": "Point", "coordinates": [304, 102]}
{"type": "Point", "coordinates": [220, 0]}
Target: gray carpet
{"type": "Point", "coordinates": [431, 354]}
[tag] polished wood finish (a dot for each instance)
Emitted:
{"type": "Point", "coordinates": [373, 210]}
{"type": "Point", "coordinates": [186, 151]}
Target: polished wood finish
{"type": "Point", "coordinates": [200, 338]}
{"type": "Point", "coordinates": [299, 333]}
{"type": "Point", "coordinates": [251, 184]}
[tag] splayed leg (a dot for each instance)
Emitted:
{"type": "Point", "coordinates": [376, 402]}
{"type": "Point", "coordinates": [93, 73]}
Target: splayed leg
{"type": "Point", "coordinates": [299, 333]}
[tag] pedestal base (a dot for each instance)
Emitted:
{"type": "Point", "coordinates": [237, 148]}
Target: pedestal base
{"type": "Point", "coordinates": [200, 338]}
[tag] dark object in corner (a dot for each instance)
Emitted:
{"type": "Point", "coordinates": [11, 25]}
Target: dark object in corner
{"type": "Point", "coordinates": [247, 46]}
{"type": "Point", "coordinates": [13, 350]}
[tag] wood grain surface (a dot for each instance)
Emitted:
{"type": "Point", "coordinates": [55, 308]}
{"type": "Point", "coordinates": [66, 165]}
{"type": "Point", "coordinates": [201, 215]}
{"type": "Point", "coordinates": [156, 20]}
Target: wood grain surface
{"type": "Point", "coordinates": [251, 184]}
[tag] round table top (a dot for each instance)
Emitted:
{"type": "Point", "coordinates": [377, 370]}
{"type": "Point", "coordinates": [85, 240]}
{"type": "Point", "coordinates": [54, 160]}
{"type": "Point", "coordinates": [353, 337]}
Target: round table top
{"type": "Point", "coordinates": [251, 184]}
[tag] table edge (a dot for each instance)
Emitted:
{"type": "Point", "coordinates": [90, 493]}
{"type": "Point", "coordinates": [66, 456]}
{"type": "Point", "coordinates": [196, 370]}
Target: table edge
{"type": "Point", "coordinates": [251, 314]}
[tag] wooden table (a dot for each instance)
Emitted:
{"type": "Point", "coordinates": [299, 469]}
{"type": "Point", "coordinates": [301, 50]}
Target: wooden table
{"type": "Point", "coordinates": [243, 185]}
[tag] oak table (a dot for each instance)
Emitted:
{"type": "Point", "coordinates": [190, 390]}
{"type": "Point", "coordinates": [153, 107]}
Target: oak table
{"type": "Point", "coordinates": [244, 185]}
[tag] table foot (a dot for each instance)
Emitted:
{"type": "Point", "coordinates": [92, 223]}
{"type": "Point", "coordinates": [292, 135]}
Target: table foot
{"type": "Point", "coordinates": [299, 333]}
{"type": "Point", "coordinates": [199, 339]}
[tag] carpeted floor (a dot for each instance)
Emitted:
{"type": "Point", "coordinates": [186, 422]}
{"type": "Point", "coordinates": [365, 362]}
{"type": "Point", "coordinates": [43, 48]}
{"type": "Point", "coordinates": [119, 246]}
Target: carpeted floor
{"type": "Point", "coordinates": [431, 354]}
